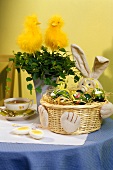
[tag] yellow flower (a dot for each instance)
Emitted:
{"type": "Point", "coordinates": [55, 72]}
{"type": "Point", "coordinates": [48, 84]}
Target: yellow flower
{"type": "Point", "coordinates": [31, 39]}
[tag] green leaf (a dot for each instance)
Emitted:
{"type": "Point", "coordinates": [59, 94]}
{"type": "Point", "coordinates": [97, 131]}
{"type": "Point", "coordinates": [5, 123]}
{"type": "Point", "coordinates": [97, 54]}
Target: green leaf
{"type": "Point", "coordinates": [44, 48]}
{"type": "Point", "coordinates": [62, 75]}
{"type": "Point", "coordinates": [62, 49]}
{"type": "Point", "coordinates": [47, 81]}
{"type": "Point", "coordinates": [7, 88]}
{"type": "Point", "coordinates": [11, 59]}
{"type": "Point", "coordinates": [28, 78]}
{"type": "Point", "coordinates": [38, 89]}
{"type": "Point", "coordinates": [76, 78]}
{"type": "Point", "coordinates": [53, 83]}
{"type": "Point", "coordinates": [35, 76]}
{"type": "Point", "coordinates": [71, 72]}
{"type": "Point", "coordinates": [8, 79]}
{"type": "Point", "coordinates": [8, 69]}
{"type": "Point", "coordinates": [34, 64]}
{"type": "Point", "coordinates": [30, 87]}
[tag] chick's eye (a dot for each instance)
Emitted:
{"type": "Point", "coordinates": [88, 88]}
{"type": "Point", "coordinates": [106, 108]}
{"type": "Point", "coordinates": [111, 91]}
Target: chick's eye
{"type": "Point", "coordinates": [82, 83]}
{"type": "Point", "coordinates": [89, 84]}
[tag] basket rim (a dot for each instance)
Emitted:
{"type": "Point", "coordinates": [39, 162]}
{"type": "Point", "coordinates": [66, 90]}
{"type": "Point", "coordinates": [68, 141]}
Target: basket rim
{"type": "Point", "coordinates": [92, 105]}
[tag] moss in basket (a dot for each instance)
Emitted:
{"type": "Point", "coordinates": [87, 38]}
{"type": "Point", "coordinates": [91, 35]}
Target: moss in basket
{"type": "Point", "coordinates": [77, 97]}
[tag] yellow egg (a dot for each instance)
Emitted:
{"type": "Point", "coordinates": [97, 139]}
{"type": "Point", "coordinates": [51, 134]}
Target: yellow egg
{"type": "Point", "coordinates": [36, 133]}
{"type": "Point", "coordinates": [21, 130]}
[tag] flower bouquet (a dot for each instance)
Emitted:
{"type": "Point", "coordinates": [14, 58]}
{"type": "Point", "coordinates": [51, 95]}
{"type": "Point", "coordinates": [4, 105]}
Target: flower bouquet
{"type": "Point", "coordinates": [49, 64]}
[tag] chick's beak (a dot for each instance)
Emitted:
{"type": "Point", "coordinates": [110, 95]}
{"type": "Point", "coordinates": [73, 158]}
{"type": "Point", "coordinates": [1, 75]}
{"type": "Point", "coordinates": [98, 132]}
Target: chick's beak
{"type": "Point", "coordinates": [54, 24]}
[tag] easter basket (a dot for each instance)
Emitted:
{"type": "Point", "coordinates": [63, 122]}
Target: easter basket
{"type": "Point", "coordinates": [89, 115]}
{"type": "Point", "coordinates": [83, 114]}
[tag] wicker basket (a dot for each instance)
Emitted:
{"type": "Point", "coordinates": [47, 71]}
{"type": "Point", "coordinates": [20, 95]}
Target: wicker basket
{"type": "Point", "coordinates": [89, 114]}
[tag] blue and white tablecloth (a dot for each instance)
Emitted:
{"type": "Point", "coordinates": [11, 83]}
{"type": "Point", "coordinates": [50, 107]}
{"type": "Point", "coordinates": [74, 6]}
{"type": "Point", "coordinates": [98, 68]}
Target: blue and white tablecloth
{"type": "Point", "coordinates": [95, 154]}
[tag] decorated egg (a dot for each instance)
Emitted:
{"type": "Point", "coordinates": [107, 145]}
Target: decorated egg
{"type": "Point", "coordinates": [98, 95]}
{"type": "Point", "coordinates": [58, 93]}
{"type": "Point", "coordinates": [36, 133]}
{"type": "Point", "coordinates": [87, 97]}
{"type": "Point", "coordinates": [21, 130]}
{"type": "Point", "coordinates": [78, 97]}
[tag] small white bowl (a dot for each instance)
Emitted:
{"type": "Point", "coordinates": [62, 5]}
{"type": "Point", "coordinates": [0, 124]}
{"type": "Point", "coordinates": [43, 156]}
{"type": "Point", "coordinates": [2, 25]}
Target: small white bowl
{"type": "Point", "coordinates": [18, 104]}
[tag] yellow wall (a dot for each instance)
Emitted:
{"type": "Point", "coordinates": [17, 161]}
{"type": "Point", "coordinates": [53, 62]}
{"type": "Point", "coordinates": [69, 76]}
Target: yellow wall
{"type": "Point", "coordinates": [88, 23]}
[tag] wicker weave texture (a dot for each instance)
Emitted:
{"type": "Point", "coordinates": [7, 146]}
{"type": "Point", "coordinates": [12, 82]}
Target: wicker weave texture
{"type": "Point", "coordinates": [89, 114]}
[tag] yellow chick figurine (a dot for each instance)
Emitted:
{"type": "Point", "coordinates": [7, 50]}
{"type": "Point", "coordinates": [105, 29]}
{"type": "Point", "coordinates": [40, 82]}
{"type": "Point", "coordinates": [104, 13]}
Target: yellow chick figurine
{"type": "Point", "coordinates": [54, 36]}
{"type": "Point", "coordinates": [31, 39]}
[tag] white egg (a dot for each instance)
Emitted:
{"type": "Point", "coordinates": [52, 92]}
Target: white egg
{"type": "Point", "coordinates": [36, 133]}
{"type": "Point", "coordinates": [23, 130]}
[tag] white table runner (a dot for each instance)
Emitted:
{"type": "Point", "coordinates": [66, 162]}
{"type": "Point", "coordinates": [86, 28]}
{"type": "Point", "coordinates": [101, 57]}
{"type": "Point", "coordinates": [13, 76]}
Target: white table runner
{"type": "Point", "coordinates": [6, 134]}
